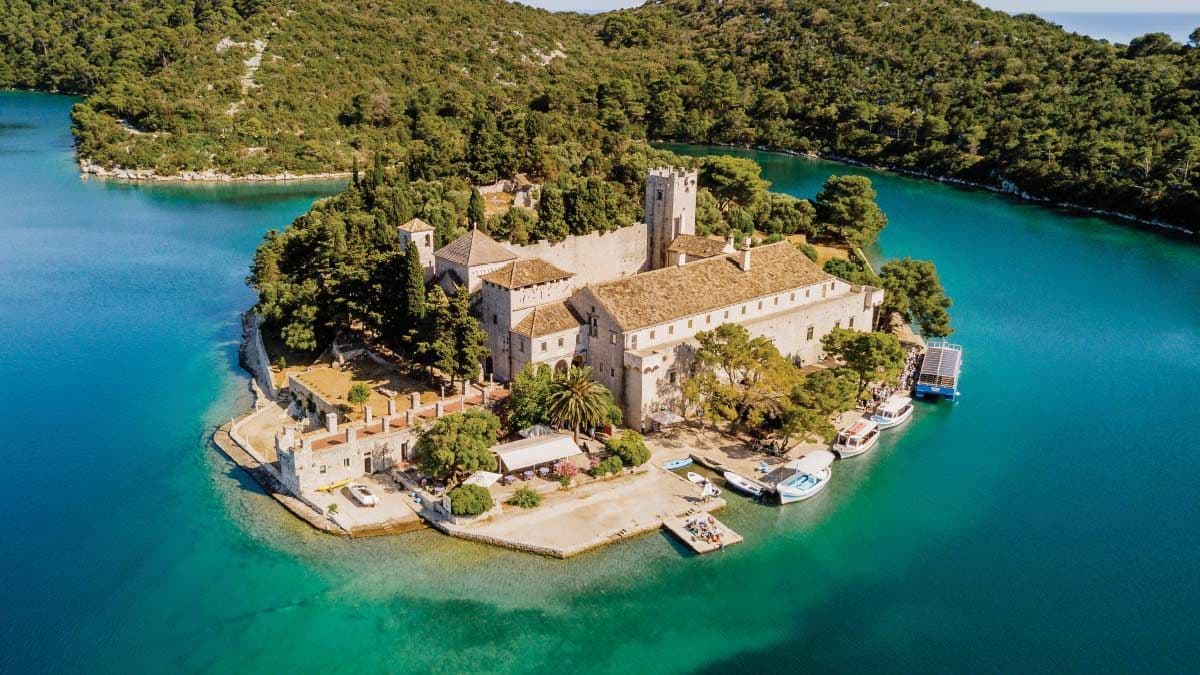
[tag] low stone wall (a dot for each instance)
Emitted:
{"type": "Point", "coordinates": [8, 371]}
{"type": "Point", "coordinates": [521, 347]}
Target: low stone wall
{"type": "Point", "coordinates": [253, 354]}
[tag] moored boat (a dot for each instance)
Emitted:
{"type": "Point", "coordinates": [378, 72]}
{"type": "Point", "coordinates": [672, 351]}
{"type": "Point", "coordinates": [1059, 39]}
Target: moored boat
{"type": "Point", "coordinates": [743, 484]}
{"type": "Point", "coordinates": [893, 412]}
{"type": "Point", "coordinates": [696, 478]}
{"type": "Point", "coordinates": [811, 474]}
{"type": "Point", "coordinates": [857, 439]}
{"type": "Point", "coordinates": [677, 463]}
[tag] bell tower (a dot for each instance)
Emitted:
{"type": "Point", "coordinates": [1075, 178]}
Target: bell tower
{"type": "Point", "coordinates": [670, 209]}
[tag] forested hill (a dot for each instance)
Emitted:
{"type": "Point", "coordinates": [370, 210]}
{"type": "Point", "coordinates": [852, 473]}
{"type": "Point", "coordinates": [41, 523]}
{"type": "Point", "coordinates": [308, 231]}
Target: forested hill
{"type": "Point", "coordinates": [484, 88]}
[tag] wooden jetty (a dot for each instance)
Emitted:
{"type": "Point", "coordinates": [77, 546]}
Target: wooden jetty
{"type": "Point", "coordinates": [677, 527]}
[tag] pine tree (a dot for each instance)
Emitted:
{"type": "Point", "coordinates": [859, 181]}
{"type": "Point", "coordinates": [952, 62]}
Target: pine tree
{"type": "Point", "coordinates": [475, 209]}
{"type": "Point", "coordinates": [460, 343]}
{"type": "Point", "coordinates": [551, 224]}
{"type": "Point", "coordinates": [354, 171]}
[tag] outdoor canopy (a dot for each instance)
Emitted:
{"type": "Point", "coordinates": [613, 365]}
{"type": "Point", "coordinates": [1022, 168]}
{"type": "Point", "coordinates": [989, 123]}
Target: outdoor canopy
{"type": "Point", "coordinates": [666, 418]}
{"type": "Point", "coordinates": [530, 452]}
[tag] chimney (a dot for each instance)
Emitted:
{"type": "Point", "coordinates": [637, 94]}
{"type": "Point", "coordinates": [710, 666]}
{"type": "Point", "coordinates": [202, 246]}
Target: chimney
{"type": "Point", "coordinates": [680, 259]}
{"type": "Point", "coordinates": [351, 434]}
{"type": "Point", "coordinates": [391, 407]}
{"type": "Point", "coordinates": [383, 424]}
{"type": "Point", "coordinates": [368, 414]}
{"type": "Point", "coordinates": [745, 260]}
{"type": "Point", "coordinates": [439, 408]}
{"type": "Point", "coordinates": [409, 416]}
{"type": "Point", "coordinates": [331, 422]}
{"type": "Point", "coordinates": [416, 400]}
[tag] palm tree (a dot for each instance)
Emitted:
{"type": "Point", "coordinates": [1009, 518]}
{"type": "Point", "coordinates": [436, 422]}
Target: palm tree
{"type": "Point", "coordinates": [577, 401]}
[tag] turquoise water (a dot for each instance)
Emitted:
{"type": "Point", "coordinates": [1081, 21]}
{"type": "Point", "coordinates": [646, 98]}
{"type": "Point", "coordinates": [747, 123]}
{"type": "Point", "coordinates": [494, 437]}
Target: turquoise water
{"type": "Point", "coordinates": [1050, 521]}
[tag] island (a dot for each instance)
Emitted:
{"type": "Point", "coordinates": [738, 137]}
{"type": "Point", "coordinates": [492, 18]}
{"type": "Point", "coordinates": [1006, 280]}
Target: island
{"type": "Point", "coordinates": [541, 391]}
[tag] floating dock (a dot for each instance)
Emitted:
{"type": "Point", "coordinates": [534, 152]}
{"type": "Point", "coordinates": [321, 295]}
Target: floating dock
{"type": "Point", "coordinates": [938, 375]}
{"type": "Point", "coordinates": [678, 527]}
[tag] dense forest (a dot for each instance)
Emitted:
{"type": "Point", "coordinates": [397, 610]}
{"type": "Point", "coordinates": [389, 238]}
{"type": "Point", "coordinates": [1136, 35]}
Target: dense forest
{"type": "Point", "coordinates": [485, 88]}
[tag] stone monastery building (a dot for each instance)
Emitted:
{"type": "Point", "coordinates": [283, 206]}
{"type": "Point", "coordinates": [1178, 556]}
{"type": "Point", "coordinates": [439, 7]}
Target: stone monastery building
{"type": "Point", "coordinates": [629, 303]}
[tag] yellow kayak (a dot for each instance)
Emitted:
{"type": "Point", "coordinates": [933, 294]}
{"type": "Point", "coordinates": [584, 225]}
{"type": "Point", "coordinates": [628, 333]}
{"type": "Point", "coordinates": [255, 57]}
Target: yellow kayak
{"type": "Point", "coordinates": [333, 486]}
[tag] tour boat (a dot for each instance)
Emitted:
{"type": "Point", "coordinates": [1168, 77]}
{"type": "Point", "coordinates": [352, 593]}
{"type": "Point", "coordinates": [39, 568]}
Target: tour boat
{"type": "Point", "coordinates": [859, 438]}
{"type": "Point", "coordinates": [810, 475]}
{"type": "Point", "coordinates": [696, 478]}
{"type": "Point", "coordinates": [677, 463]}
{"type": "Point", "coordinates": [893, 412]}
{"type": "Point", "coordinates": [743, 484]}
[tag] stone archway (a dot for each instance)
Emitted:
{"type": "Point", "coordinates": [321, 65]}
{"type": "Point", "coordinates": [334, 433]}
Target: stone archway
{"type": "Point", "coordinates": [577, 362]}
{"type": "Point", "coordinates": [561, 366]}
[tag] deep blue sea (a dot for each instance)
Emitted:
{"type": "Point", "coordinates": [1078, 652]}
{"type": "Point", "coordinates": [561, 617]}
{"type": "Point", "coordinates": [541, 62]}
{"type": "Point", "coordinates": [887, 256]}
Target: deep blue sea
{"type": "Point", "coordinates": [1049, 522]}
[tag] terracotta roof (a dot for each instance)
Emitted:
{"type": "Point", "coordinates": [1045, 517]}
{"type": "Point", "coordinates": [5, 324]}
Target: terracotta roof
{"type": "Point", "coordinates": [527, 272]}
{"type": "Point", "coordinates": [695, 245]}
{"type": "Point", "coordinates": [672, 293]}
{"type": "Point", "coordinates": [416, 225]}
{"type": "Point", "coordinates": [548, 319]}
{"type": "Point", "coordinates": [474, 248]}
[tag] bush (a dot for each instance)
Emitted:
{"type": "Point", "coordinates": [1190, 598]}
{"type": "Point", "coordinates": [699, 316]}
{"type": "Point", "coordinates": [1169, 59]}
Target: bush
{"type": "Point", "coordinates": [470, 500]}
{"type": "Point", "coordinates": [565, 481]}
{"type": "Point", "coordinates": [565, 469]}
{"type": "Point", "coordinates": [525, 497]}
{"type": "Point", "coordinates": [606, 466]}
{"type": "Point", "coordinates": [359, 393]}
{"type": "Point", "coordinates": [630, 447]}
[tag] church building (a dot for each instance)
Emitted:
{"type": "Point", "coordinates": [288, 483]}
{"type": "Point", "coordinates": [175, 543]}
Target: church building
{"type": "Point", "coordinates": [629, 303]}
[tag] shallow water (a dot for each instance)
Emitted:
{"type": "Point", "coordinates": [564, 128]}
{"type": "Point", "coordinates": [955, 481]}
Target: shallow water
{"type": "Point", "coordinates": [1048, 521]}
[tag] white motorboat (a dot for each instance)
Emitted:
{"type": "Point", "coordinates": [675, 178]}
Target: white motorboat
{"type": "Point", "coordinates": [696, 478]}
{"type": "Point", "coordinates": [810, 475]}
{"type": "Point", "coordinates": [677, 463]}
{"type": "Point", "coordinates": [743, 484]}
{"type": "Point", "coordinates": [894, 411]}
{"type": "Point", "coordinates": [363, 495]}
{"type": "Point", "coordinates": [857, 439]}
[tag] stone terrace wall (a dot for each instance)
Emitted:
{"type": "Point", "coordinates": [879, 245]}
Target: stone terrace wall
{"type": "Point", "coordinates": [254, 353]}
{"type": "Point", "coordinates": [594, 257]}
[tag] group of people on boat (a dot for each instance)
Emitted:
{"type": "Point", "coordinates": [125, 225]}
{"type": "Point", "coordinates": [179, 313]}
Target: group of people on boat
{"type": "Point", "coordinates": [705, 528]}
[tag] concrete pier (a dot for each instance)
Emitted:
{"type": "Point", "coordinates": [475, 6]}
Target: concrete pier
{"type": "Point", "coordinates": [677, 526]}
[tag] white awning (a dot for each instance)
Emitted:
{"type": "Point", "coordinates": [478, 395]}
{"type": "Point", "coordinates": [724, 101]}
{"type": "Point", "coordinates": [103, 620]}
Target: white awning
{"type": "Point", "coordinates": [666, 418]}
{"type": "Point", "coordinates": [813, 462]}
{"type": "Point", "coordinates": [530, 452]}
{"type": "Point", "coordinates": [483, 479]}
{"type": "Point", "coordinates": [535, 431]}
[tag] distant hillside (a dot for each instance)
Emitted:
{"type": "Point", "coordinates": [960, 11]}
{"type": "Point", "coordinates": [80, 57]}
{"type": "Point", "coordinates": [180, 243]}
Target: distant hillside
{"type": "Point", "coordinates": [484, 88]}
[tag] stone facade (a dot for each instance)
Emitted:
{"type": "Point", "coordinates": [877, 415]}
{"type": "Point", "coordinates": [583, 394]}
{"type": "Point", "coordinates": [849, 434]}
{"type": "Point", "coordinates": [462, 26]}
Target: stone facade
{"type": "Point", "coordinates": [629, 303]}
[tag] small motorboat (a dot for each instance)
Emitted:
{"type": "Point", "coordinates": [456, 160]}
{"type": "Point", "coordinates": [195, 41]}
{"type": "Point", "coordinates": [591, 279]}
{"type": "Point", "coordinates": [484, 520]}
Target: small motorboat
{"type": "Point", "coordinates": [363, 495]}
{"type": "Point", "coordinates": [743, 484]}
{"type": "Point", "coordinates": [893, 412]}
{"type": "Point", "coordinates": [857, 439]}
{"type": "Point", "coordinates": [811, 474]}
{"type": "Point", "coordinates": [696, 478]}
{"type": "Point", "coordinates": [677, 463]}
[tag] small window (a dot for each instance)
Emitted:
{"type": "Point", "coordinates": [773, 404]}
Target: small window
{"type": "Point", "coordinates": [760, 304]}
{"type": "Point", "coordinates": [428, 241]}
{"type": "Point", "coordinates": [322, 468]}
{"type": "Point", "coordinates": [743, 310]}
{"type": "Point", "coordinates": [651, 335]}
{"type": "Point", "coordinates": [612, 372]}
{"type": "Point", "coordinates": [689, 323]}
{"type": "Point", "coordinates": [346, 461]}
{"type": "Point", "coordinates": [708, 319]}
{"type": "Point", "coordinates": [521, 346]}
{"type": "Point", "coordinates": [851, 324]}
{"type": "Point", "coordinates": [808, 292]}
{"type": "Point", "coordinates": [560, 341]}
{"type": "Point", "coordinates": [832, 285]}
{"type": "Point", "coordinates": [672, 377]}
{"type": "Point", "coordinates": [659, 195]}
{"type": "Point", "coordinates": [577, 338]}
{"type": "Point", "coordinates": [633, 341]}
{"type": "Point", "coordinates": [543, 345]}
{"type": "Point", "coordinates": [612, 338]}
{"type": "Point", "coordinates": [837, 324]}
{"type": "Point", "coordinates": [671, 329]}
{"type": "Point", "coordinates": [495, 319]}
{"type": "Point", "coordinates": [777, 300]}
{"type": "Point", "coordinates": [810, 333]}
{"type": "Point", "coordinates": [792, 298]}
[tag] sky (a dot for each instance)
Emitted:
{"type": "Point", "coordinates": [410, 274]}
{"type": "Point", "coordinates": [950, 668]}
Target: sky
{"type": "Point", "coordinates": [1037, 6]}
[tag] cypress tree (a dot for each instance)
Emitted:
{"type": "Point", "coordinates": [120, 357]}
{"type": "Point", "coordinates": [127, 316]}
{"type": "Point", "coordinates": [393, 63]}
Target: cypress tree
{"type": "Point", "coordinates": [354, 171]}
{"type": "Point", "coordinates": [475, 209]}
{"type": "Point", "coordinates": [460, 343]}
{"type": "Point", "coordinates": [414, 287]}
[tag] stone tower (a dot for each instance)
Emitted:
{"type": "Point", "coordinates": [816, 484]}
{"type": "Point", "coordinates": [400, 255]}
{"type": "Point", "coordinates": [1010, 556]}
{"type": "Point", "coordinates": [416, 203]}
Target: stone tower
{"type": "Point", "coordinates": [670, 209]}
{"type": "Point", "coordinates": [420, 233]}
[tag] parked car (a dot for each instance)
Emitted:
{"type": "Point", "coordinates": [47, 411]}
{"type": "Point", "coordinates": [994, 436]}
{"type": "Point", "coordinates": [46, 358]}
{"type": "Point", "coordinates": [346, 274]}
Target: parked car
{"type": "Point", "coordinates": [363, 495]}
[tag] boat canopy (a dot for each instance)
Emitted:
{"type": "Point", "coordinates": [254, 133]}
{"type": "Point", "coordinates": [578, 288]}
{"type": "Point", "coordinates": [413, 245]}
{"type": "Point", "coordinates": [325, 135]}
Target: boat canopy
{"type": "Point", "coordinates": [666, 418]}
{"type": "Point", "coordinates": [860, 428]}
{"type": "Point", "coordinates": [536, 430]}
{"type": "Point", "coordinates": [894, 404]}
{"type": "Point", "coordinates": [813, 462]}
{"type": "Point", "coordinates": [941, 365]}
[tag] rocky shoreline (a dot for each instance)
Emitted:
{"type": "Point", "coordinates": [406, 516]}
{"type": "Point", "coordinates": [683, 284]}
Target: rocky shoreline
{"type": "Point", "coordinates": [89, 168]}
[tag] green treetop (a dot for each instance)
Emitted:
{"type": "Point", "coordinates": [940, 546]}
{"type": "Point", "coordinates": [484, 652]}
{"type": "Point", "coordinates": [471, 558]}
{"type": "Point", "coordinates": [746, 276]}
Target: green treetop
{"type": "Point", "coordinates": [577, 401]}
{"type": "Point", "coordinates": [846, 210]}
{"type": "Point", "coordinates": [733, 180]}
{"type": "Point", "coordinates": [873, 356]}
{"type": "Point", "coordinates": [459, 342]}
{"type": "Point", "coordinates": [458, 445]}
{"type": "Point", "coordinates": [913, 290]}
{"type": "Point", "coordinates": [475, 209]}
